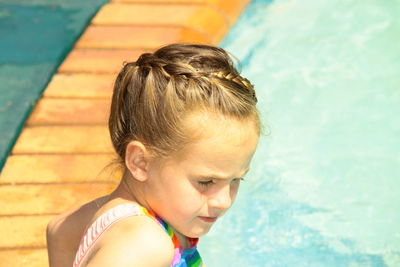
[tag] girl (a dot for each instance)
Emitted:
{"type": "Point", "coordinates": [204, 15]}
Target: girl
{"type": "Point", "coordinates": [185, 127]}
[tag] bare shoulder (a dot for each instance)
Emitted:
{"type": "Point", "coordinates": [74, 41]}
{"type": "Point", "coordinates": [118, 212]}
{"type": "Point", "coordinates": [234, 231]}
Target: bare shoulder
{"type": "Point", "coordinates": [133, 241]}
{"type": "Point", "coordinates": [64, 232]}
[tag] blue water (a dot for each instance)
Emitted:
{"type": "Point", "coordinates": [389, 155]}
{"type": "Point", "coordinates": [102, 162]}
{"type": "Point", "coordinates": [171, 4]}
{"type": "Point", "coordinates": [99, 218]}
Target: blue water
{"type": "Point", "coordinates": [324, 189]}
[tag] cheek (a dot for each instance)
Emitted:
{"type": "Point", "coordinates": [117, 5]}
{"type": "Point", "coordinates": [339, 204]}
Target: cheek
{"type": "Point", "coordinates": [188, 197]}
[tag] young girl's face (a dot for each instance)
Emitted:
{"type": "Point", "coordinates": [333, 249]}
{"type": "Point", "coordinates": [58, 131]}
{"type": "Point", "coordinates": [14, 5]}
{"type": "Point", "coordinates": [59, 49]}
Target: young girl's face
{"type": "Point", "coordinates": [193, 188]}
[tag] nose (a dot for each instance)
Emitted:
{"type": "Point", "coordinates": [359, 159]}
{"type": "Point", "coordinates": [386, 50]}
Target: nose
{"type": "Point", "coordinates": [222, 199]}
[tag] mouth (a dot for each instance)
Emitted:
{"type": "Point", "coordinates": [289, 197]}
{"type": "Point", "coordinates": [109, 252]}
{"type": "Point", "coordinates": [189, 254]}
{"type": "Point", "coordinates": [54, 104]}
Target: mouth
{"type": "Point", "coordinates": [208, 219]}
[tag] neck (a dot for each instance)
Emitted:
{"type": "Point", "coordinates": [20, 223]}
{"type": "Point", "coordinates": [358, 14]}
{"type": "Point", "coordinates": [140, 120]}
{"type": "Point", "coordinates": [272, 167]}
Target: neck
{"type": "Point", "coordinates": [184, 241]}
{"type": "Point", "coordinates": [131, 190]}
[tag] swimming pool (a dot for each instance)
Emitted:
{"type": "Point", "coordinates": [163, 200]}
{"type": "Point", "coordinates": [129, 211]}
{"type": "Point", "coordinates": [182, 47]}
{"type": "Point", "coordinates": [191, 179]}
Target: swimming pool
{"type": "Point", "coordinates": [324, 189]}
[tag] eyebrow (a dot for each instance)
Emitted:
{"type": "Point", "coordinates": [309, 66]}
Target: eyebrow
{"type": "Point", "coordinates": [216, 176]}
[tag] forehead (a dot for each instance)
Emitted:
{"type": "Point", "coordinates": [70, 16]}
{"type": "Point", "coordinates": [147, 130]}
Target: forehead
{"type": "Point", "coordinates": [204, 125]}
{"type": "Point", "coordinates": [219, 144]}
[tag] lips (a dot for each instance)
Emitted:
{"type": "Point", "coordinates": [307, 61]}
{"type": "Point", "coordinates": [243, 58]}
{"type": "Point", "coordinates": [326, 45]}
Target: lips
{"type": "Point", "coordinates": [208, 219]}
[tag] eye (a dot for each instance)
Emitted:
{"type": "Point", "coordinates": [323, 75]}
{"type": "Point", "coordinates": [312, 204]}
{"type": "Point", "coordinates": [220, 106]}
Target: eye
{"type": "Point", "coordinates": [206, 183]}
{"type": "Point", "coordinates": [237, 180]}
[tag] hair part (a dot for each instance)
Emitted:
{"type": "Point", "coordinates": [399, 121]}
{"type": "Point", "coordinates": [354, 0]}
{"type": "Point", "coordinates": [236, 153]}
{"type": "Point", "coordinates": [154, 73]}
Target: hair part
{"type": "Point", "coordinates": [154, 94]}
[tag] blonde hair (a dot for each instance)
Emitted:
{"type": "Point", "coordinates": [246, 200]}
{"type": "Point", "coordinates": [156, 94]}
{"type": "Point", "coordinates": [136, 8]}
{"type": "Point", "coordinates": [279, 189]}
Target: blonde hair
{"type": "Point", "coordinates": [153, 95]}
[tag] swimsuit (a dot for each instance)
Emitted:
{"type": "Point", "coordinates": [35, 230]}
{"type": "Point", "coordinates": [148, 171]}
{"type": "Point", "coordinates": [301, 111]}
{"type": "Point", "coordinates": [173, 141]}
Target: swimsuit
{"type": "Point", "coordinates": [182, 257]}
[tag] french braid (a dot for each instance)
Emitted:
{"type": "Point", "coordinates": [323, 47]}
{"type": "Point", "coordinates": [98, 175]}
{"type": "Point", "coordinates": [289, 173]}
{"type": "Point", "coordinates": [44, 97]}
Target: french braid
{"type": "Point", "coordinates": [236, 78]}
{"type": "Point", "coordinates": [152, 95]}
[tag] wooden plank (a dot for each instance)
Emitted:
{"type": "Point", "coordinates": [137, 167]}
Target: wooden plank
{"type": "Point", "coordinates": [81, 85]}
{"type": "Point", "coordinates": [231, 9]}
{"type": "Point", "coordinates": [15, 232]}
{"type": "Point", "coordinates": [120, 37]}
{"type": "Point", "coordinates": [98, 60]}
{"type": "Point", "coordinates": [201, 18]}
{"type": "Point", "coordinates": [172, 2]}
{"type": "Point", "coordinates": [49, 198]}
{"type": "Point", "coordinates": [70, 111]}
{"type": "Point", "coordinates": [60, 169]}
{"type": "Point", "coordinates": [24, 257]}
{"type": "Point", "coordinates": [63, 139]}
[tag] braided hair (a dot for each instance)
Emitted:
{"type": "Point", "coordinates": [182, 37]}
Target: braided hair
{"type": "Point", "coordinates": [154, 94]}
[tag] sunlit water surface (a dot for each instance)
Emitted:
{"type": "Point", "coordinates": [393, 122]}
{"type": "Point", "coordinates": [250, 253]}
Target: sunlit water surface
{"type": "Point", "coordinates": [324, 189]}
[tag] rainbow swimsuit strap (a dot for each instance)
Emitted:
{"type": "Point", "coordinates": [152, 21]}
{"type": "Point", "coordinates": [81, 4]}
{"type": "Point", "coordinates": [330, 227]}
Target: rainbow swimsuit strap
{"type": "Point", "coordinates": [182, 257]}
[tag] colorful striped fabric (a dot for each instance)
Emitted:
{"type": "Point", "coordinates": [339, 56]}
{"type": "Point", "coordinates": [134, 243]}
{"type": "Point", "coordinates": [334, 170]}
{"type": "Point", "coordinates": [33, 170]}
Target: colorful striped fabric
{"type": "Point", "coordinates": [182, 257]}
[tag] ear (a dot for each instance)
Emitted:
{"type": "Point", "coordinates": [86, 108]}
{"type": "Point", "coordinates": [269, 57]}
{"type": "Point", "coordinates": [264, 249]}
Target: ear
{"type": "Point", "coordinates": [136, 160]}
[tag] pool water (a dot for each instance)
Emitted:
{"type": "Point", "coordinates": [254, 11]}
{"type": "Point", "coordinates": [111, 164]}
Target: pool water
{"type": "Point", "coordinates": [324, 189]}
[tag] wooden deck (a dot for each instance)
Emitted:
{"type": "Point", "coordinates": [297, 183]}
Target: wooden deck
{"type": "Point", "coordinates": [59, 158]}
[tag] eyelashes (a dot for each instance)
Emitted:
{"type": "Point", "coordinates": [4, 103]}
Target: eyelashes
{"type": "Point", "coordinates": [208, 183]}
{"type": "Point", "coordinates": [205, 184]}
{"type": "Point", "coordinates": [237, 180]}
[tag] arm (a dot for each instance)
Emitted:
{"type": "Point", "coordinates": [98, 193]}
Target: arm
{"type": "Point", "coordinates": [58, 243]}
{"type": "Point", "coordinates": [135, 241]}
{"type": "Point", "coordinates": [64, 233]}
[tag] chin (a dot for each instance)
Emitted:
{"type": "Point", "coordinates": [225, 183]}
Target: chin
{"type": "Point", "coordinates": [198, 232]}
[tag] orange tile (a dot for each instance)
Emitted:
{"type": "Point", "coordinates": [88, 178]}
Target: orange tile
{"type": "Point", "coordinates": [24, 257]}
{"type": "Point", "coordinates": [231, 9]}
{"type": "Point", "coordinates": [63, 139]}
{"type": "Point", "coordinates": [98, 60]}
{"type": "Point", "coordinates": [70, 111]}
{"type": "Point", "coordinates": [121, 37]}
{"type": "Point", "coordinates": [49, 198]}
{"type": "Point", "coordinates": [201, 18]}
{"type": "Point", "coordinates": [60, 169]}
{"type": "Point", "coordinates": [15, 232]}
{"type": "Point", "coordinates": [81, 85]}
{"type": "Point", "coordinates": [188, 2]}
